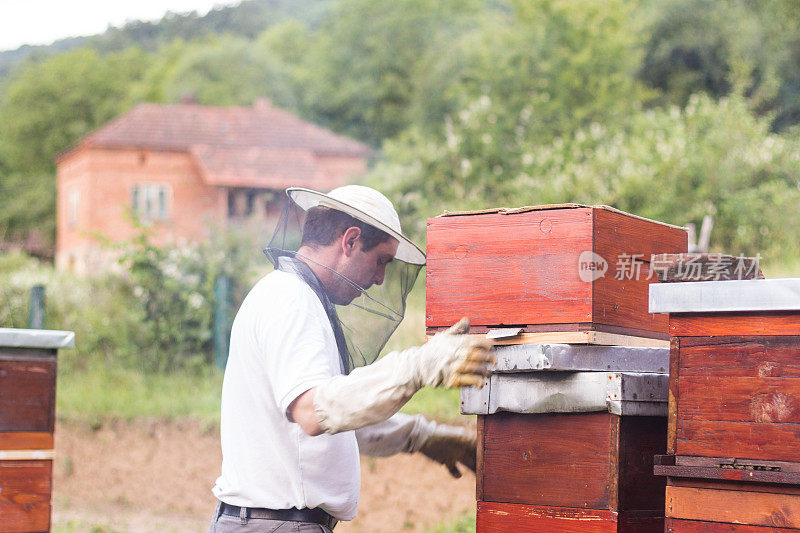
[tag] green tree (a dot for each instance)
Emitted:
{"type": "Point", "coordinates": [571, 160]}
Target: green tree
{"type": "Point", "coordinates": [708, 46]}
{"type": "Point", "coordinates": [551, 67]}
{"type": "Point", "coordinates": [27, 205]}
{"type": "Point", "coordinates": [228, 71]}
{"type": "Point", "coordinates": [51, 105]}
{"type": "Point", "coordinates": [361, 67]}
{"type": "Point", "coordinates": [288, 43]}
{"type": "Point", "coordinates": [782, 18]}
{"type": "Point", "coordinates": [47, 108]}
{"type": "Point", "coordinates": [152, 87]}
{"type": "Point", "coordinates": [289, 40]}
{"type": "Point", "coordinates": [711, 158]}
{"type": "Point", "coordinates": [676, 165]}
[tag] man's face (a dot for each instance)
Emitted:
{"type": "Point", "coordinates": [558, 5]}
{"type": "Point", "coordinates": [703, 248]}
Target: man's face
{"type": "Point", "coordinates": [365, 269]}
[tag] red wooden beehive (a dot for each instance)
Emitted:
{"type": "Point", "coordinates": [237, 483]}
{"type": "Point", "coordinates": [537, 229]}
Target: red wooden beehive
{"type": "Point", "coordinates": [520, 267]}
{"type": "Point", "coordinates": [581, 472]}
{"type": "Point", "coordinates": [734, 412]}
{"type": "Point", "coordinates": [27, 422]}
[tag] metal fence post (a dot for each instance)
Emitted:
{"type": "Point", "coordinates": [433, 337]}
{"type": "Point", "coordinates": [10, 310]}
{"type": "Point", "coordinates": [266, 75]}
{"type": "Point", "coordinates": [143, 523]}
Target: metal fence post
{"type": "Point", "coordinates": [36, 315]}
{"type": "Point", "coordinates": [222, 289]}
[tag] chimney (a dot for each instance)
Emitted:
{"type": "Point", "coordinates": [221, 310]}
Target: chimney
{"type": "Point", "coordinates": [189, 99]}
{"type": "Point", "coordinates": [262, 104]}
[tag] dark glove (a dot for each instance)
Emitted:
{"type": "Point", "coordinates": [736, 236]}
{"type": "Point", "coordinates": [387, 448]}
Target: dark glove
{"type": "Point", "coordinates": [451, 445]}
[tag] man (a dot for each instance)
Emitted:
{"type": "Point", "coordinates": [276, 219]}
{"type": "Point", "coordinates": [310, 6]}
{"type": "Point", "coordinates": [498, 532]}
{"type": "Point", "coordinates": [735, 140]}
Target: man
{"type": "Point", "coordinates": [294, 415]}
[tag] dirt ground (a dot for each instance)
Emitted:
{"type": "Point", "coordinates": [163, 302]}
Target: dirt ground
{"type": "Point", "coordinates": [156, 476]}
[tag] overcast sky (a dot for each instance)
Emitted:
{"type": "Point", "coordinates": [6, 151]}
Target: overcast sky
{"type": "Point", "coordinates": [45, 21]}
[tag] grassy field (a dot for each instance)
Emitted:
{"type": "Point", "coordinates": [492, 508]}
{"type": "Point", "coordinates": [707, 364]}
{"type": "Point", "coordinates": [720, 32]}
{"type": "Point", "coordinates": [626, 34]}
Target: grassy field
{"type": "Point", "coordinates": [99, 394]}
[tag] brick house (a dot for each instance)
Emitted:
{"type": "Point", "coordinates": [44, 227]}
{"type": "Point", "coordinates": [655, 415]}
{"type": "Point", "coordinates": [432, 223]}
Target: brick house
{"type": "Point", "coordinates": [187, 169]}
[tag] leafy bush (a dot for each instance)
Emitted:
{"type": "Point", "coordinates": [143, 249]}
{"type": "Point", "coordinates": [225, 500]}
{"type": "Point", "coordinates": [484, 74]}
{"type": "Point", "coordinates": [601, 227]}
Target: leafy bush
{"type": "Point", "coordinates": [156, 316]}
{"type": "Point", "coordinates": [100, 311]}
{"type": "Point", "coordinates": [174, 288]}
{"type": "Point", "coordinates": [677, 165]}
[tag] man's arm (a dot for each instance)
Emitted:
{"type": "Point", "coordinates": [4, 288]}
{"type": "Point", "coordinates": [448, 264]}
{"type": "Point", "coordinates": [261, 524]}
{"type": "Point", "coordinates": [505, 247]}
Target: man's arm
{"type": "Point", "coordinates": [400, 433]}
{"type": "Point", "coordinates": [301, 410]}
{"type": "Point", "coordinates": [373, 393]}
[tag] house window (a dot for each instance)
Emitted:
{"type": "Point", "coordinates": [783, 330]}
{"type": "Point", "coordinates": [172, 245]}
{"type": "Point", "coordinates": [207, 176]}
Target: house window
{"type": "Point", "coordinates": [151, 201]}
{"type": "Point", "coordinates": [73, 200]}
{"type": "Point", "coordinates": [244, 202]}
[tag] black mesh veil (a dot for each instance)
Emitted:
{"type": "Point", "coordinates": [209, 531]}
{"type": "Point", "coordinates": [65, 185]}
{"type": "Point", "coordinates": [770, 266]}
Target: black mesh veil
{"type": "Point", "coordinates": [371, 318]}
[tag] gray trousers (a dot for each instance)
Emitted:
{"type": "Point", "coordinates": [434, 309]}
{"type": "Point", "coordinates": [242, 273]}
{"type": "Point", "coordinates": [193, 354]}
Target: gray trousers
{"type": "Point", "coordinates": [222, 523]}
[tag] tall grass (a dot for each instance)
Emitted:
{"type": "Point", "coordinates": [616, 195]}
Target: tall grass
{"type": "Point", "coordinates": [788, 267]}
{"type": "Point", "coordinates": [464, 524]}
{"type": "Point", "coordinates": [100, 394]}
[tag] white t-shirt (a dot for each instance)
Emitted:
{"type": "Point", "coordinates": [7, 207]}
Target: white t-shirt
{"type": "Point", "coordinates": [282, 345]}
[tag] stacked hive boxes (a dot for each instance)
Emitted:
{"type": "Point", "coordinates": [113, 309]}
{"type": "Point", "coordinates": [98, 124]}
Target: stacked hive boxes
{"type": "Point", "coordinates": [567, 427]}
{"type": "Point", "coordinates": [734, 411]}
{"type": "Point", "coordinates": [564, 445]}
{"type": "Point", "coordinates": [27, 420]}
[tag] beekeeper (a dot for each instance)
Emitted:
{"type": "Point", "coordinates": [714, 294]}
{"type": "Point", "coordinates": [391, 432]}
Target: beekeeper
{"type": "Point", "coordinates": [303, 393]}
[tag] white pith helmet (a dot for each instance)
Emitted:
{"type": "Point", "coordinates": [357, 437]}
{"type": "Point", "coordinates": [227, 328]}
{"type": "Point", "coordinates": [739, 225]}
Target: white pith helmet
{"type": "Point", "coordinates": [367, 205]}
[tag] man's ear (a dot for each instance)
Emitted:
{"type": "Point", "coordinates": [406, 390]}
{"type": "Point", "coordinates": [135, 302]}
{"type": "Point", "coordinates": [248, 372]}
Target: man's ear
{"type": "Point", "coordinates": [349, 240]}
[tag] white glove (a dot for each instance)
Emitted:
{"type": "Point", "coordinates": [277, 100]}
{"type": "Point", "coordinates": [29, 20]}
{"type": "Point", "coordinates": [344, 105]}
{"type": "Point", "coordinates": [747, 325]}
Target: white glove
{"type": "Point", "coordinates": [400, 433]}
{"type": "Point", "coordinates": [445, 444]}
{"type": "Point", "coordinates": [373, 393]}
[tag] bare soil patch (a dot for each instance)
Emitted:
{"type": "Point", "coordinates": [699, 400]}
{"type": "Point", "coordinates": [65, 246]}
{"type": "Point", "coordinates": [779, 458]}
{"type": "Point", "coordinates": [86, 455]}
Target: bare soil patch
{"type": "Point", "coordinates": [156, 476]}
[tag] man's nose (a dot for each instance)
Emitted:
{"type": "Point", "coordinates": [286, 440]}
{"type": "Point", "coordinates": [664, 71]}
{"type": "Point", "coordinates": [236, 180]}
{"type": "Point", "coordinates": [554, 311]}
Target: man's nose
{"type": "Point", "coordinates": [379, 276]}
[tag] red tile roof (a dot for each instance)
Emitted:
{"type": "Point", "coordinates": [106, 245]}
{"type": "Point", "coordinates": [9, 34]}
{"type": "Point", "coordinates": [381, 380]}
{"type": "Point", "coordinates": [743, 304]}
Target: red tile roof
{"type": "Point", "coordinates": [244, 146]}
{"type": "Point", "coordinates": [256, 167]}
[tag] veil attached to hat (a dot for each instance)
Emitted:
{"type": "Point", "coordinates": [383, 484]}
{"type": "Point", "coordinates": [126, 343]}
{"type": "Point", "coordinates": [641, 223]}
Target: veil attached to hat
{"type": "Point", "coordinates": [363, 327]}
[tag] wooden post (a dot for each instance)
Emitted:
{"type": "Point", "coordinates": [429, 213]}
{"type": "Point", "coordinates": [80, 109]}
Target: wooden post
{"type": "Point", "coordinates": [222, 289]}
{"type": "Point", "coordinates": [36, 316]}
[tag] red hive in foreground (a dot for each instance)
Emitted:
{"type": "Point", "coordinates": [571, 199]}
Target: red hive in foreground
{"type": "Point", "coordinates": [734, 410]}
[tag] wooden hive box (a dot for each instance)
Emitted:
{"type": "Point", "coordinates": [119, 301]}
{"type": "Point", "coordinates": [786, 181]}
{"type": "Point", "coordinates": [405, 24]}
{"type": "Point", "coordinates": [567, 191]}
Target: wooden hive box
{"type": "Point", "coordinates": [569, 472]}
{"type": "Point", "coordinates": [27, 422]}
{"type": "Point", "coordinates": [734, 405]}
{"type": "Point", "coordinates": [551, 454]}
{"type": "Point", "coordinates": [709, 499]}
{"type": "Point", "coordinates": [534, 267]}
{"type": "Point", "coordinates": [734, 368]}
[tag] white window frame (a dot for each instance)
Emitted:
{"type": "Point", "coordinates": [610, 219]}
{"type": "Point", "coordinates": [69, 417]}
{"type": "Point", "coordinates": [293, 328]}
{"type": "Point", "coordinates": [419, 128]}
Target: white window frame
{"type": "Point", "coordinates": [73, 204]}
{"type": "Point", "coordinates": [151, 202]}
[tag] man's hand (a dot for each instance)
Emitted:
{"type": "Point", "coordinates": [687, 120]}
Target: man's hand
{"type": "Point", "coordinates": [451, 445]}
{"type": "Point", "coordinates": [454, 359]}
